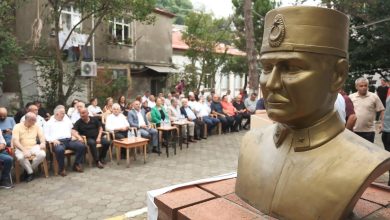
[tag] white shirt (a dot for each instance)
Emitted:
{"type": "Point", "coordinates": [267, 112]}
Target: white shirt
{"type": "Point", "coordinates": [116, 121]}
{"type": "Point", "coordinates": [55, 130]}
{"type": "Point", "coordinates": [194, 106]}
{"type": "Point", "coordinates": [204, 110]}
{"type": "Point", "coordinates": [94, 110]}
{"type": "Point", "coordinates": [175, 113]}
{"type": "Point", "coordinates": [339, 105]}
{"type": "Point", "coordinates": [151, 104]}
{"type": "Point", "coordinates": [141, 121]}
{"type": "Point", "coordinates": [190, 113]}
{"type": "Point", "coordinates": [76, 116]}
{"type": "Point", "coordinates": [40, 121]}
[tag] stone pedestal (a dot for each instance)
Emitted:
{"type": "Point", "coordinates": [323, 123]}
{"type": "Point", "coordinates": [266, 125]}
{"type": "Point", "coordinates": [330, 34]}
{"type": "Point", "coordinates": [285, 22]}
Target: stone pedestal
{"type": "Point", "coordinates": [218, 200]}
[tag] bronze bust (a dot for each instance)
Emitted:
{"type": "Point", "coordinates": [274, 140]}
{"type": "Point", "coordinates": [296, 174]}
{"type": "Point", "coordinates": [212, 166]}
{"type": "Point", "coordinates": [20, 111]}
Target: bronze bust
{"type": "Point", "coordinates": [306, 166]}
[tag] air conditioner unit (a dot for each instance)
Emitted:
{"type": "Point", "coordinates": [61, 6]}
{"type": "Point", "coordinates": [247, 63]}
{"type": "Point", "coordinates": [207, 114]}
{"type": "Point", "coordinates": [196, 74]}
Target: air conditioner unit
{"type": "Point", "coordinates": [88, 69]}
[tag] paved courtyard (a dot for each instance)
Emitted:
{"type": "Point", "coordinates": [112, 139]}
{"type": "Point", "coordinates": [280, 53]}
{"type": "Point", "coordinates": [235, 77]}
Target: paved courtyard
{"type": "Point", "coordinates": [115, 190]}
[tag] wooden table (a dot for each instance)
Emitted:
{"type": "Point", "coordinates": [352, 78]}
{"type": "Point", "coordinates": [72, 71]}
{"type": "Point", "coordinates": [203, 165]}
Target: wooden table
{"type": "Point", "coordinates": [181, 124]}
{"type": "Point", "coordinates": [128, 143]}
{"type": "Point", "coordinates": [167, 129]}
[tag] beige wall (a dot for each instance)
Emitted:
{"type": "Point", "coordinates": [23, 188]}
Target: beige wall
{"type": "Point", "coordinates": [155, 41]}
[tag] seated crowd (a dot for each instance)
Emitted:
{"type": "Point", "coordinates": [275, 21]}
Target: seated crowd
{"type": "Point", "coordinates": [27, 134]}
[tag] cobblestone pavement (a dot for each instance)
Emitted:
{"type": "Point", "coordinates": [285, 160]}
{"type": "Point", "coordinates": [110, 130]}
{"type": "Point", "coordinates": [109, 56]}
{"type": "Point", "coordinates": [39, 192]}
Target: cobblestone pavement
{"type": "Point", "coordinates": [115, 190]}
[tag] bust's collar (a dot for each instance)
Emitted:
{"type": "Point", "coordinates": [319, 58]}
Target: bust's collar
{"type": "Point", "coordinates": [312, 137]}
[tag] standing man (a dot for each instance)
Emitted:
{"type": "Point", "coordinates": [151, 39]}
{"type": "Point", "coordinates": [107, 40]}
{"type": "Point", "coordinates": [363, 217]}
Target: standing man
{"type": "Point", "coordinates": [137, 118]}
{"type": "Point", "coordinates": [92, 129]}
{"type": "Point", "coordinates": [381, 91]}
{"type": "Point", "coordinates": [58, 130]}
{"type": "Point", "coordinates": [367, 104]}
{"type": "Point", "coordinates": [24, 137]}
{"type": "Point", "coordinates": [6, 125]}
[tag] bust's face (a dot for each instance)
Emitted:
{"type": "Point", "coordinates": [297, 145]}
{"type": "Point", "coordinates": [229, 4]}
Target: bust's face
{"type": "Point", "coordinates": [296, 87]}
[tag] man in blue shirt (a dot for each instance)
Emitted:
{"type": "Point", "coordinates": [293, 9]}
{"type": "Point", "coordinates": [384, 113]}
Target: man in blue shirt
{"type": "Point", "coordinates": [6, 161]}
{"type": "Point", "coordinates": [6, 125]}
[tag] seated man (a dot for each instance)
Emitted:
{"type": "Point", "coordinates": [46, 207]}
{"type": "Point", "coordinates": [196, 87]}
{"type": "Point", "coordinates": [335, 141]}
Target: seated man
{"type": "Point", "coordinates": [117, 122]}
{"type": "Point", "coordinates": [6, 125]}
{"type": "Point", "coordinates": [190, 115]}
{"type": "Point", "coordinates": [216, 109]}
{"type": "Point", "coordinates": [137, 119]}
{"type": "Point", "coordinates": [58, 130]}
{"type": "Point", "coordinates": [24, 137]}
{"type": "Point", "coordinates": [42, 111]}
{"type": "Point", "coordinates": [204, 115]}
{"type": "Point", "coordinates": [6, 162]}
{"type": "Point", "coordinates": [34, 109]}
{"type": "Point", "coordinates": [92, 129]}
{"type": "Point", "coordinates": [250, 103]}
{"type": "Point", "coordinates": [242, 111]}
{"type": "Point", "coordinates": [231, 112]}
{"type": "Point", "coordinates": [175, 114]}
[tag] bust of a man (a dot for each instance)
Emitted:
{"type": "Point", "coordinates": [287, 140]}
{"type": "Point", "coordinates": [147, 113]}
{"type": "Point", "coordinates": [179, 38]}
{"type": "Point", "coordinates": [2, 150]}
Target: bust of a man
{"type": "Point", "coordinates": [306, 165]}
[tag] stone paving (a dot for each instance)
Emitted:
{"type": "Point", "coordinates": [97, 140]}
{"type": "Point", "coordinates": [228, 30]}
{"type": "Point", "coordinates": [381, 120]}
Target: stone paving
{"type": "Point", "coordinates": [115, 190]}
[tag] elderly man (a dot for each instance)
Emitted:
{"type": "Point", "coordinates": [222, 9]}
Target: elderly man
{"type": "Point", "coordinates": [117, 122]}
{"type": "Point", "coordinates": [6, 125]}
{"type": "Point", "coordinates": [34, 109]}
{"type": "Point", "coordinates": [242, 111]}
{"type": "Point", "coordinates": [216, 109]}
{"type": "Point", "coordinates": [191, 116]}
{"type": "Point", "coordinates": [204, 114]}
{"type": "Point", "coordinates": [175, 114]}
{"type": "Point", "coordinates": [366, 104]}
{"type": "Point", "coordinates": [58, 131]}
{"type": "Point", "coordinates": [6, 161]}
{"type": "Point", "coordinates": [304, 163]}
{"type": "Point", "coordinates": [137, 119]}
{"type": "Point", "coordinates": [24, 137]}
{"type": "Point", "coordinates": [250, 103]}
{"type": "Point", "coordinates": [92, 129]}
{"type": "Point", "coordinates": [152, 101]}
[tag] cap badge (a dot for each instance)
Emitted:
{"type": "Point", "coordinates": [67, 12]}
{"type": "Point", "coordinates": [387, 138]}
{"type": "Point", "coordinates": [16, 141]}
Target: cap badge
{"type": "Point", "coordinates": [277, 32]}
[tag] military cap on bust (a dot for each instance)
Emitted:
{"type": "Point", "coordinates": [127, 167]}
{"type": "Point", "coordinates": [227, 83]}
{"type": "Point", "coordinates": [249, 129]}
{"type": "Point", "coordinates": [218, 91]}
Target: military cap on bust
{"type": "Point", "coordinates": [306, 29]}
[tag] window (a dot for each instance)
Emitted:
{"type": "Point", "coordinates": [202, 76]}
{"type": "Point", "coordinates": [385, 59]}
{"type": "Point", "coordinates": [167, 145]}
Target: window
{"type": "Point", "coordinates": [70, 16]}
{"type": "Point", "coordinates": [120, 30]}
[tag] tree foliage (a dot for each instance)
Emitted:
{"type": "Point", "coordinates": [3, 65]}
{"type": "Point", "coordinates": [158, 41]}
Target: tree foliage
{"type": "Point", "coordinates": [9, 49]}
{"type": "Point", "coordinates": [63, 74]}
{"type": "Point", "coordinates": [204, 33]}
{"type": "Point", "coordinates": [369, 42]}
{"type": "Point", "coordinates": [238, 65]}
{"type": "Point", "coordinates": [178, 7]}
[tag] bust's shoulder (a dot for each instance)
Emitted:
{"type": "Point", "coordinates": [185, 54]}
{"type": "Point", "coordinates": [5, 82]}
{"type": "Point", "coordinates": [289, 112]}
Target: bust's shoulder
{"type": "Point", "coordinates": [357, 148]}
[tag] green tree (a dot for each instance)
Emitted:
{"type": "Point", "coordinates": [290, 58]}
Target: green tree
{"type": "Point", "coordinates": [9, 49]}
{"type": "Point", "coordinates": [369, 39]}
{"type": "Point", "coordinates": [179, 7]}
{"type": "Point", "coordinates": [204, 33]}
{"type": "Point", "coordinates": [236, 64]}
{"type": "Point", "coordinates": [64, 75]}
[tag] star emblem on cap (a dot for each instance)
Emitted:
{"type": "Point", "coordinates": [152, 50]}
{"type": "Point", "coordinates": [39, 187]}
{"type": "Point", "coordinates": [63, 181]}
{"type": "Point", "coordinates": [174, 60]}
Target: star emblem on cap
{"type": "Point", "coordinates": [277, 32]}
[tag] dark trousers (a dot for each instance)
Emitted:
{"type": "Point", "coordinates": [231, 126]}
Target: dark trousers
{"type": "Point", "coordinates": [247, 116]}
{"type": "Point", "coordinates": [121, 135]}
{"type": "Point", "coordinates": [237, 122]}
{"type": "Point", "coordinates": [199, 131]}
{"type": "Point", "coordinates": [92, 146]}
{"type": "Point", "coordinates": [369, 136]}
{"type": "Point", "coordinates": [227, 122]}
{"type": "Point", "coordinates": [6, 161]}
{"type": "Point", "coordinates": [67, 143]}
{"type": "Point", "coordinates": [211, 122]}
{"type": "Point", "coordinates": [386, 144]}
